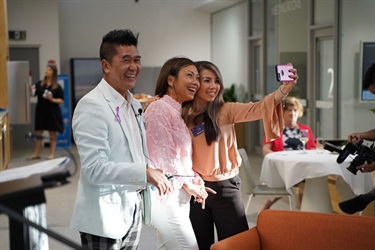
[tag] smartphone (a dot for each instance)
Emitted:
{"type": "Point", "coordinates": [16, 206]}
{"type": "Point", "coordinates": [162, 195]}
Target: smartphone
{"type": "Point", "coordinates": [282, 72]}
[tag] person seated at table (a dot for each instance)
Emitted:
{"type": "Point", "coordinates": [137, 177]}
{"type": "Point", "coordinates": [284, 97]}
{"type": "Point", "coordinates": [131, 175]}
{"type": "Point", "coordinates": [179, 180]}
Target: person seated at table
{"type": "Point", "coordinates": [290, 139]}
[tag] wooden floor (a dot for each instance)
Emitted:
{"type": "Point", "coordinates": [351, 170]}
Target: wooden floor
{"type": "Point", "coordinates": [336, 199]}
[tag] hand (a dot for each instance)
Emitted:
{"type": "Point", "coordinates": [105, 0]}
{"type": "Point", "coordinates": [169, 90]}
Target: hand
{"type": "Point", "coordinates": [199, 192]}
{"type": "Point", "coordinates": [50, 98]}
{"type": "Point", "coordinates": [204, 201]}
{"type": "Point", "coordinates": [354, 138]}
{"type": "Point", "coordinates": [367, 167]}
{"type": "Point", "coordinates": [286, 87]}
{"type": "Point", "coordinates": [156, 178]}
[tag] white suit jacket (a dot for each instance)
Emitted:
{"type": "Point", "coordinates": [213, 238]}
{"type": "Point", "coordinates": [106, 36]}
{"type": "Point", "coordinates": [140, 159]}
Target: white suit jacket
{"type": "Point", "coordinates": [109, 177]}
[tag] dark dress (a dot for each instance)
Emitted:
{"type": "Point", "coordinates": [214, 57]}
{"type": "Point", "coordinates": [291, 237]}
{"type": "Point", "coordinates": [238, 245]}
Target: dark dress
{"type": "Point", "coordinates": [48, 114]}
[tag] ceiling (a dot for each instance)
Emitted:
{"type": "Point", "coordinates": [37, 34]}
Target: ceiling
{"type": "Point", "coordinates": [214, 5]}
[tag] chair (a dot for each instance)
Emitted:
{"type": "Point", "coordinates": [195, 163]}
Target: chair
{"type": "Point", "coordinates": [284, 229]}
{"type": "Point", "coordinates": [252, 189]}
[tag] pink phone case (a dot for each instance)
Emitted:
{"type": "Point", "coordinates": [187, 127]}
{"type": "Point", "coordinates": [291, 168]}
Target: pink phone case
{"type": "Point", "coordinates": [282, 72]}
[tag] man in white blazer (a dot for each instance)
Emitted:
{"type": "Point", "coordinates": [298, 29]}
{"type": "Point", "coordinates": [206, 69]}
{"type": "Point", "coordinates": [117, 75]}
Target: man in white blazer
{"type": "Point", "coordinates": [108, 129]}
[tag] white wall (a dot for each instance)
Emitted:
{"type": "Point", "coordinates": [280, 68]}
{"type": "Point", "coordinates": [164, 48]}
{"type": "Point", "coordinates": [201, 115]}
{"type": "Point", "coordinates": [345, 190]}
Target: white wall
{"type": "Point", "coordinates": [229, 48]}
{"type": "Point", "coordinates": [167, 28]}
{"type": "Point", "coordinates": [64, 28]}
{"type": "Point", "coordinates": [355, 115]}
{"type": "Point", "coordinates": [40, 20]}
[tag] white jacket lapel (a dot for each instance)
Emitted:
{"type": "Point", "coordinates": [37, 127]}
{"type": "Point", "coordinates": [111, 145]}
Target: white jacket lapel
{"type": "Point", "coordinates": [114, 104]}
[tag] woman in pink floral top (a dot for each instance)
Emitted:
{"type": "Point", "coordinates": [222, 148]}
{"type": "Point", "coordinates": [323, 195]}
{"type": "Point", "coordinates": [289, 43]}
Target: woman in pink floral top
{"type": "Point", "coordinates": [170, 149]}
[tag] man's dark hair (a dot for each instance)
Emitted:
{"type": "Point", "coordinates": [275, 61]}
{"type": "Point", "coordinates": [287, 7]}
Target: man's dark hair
{"type": "Point", "coordinates": [116, 38]}
{"type": "Point", "coordinates": [369, 77]}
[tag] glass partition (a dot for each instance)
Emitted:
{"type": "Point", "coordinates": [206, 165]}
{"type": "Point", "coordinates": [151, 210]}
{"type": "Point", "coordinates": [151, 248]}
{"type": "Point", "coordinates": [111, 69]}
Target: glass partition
{"type": "Point", "coordinates": [357, 24]}
{"type": "Point", "coordinates": [270, 41]}
{"type": "Point", "coordinates": [323, 12]}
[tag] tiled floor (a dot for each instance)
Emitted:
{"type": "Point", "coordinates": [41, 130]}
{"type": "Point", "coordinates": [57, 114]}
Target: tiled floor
{"type": "Point", "coordinates": [60, 202]}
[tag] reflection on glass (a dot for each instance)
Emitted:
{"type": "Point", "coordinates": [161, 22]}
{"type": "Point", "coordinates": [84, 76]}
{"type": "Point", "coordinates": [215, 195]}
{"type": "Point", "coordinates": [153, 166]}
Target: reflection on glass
{"type": "Point", "coordinates": [324, 87]}
{"type": "Point", "coordinates": [271, 47]}
{"type": "Point", "coordinates": [256, 18]}
{"type": "Point", "coordinates": [323, 11]}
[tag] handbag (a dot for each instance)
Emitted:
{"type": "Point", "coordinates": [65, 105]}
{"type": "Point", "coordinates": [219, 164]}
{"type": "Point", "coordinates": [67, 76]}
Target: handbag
{"type": "Point", "coordinates": [146, 205]}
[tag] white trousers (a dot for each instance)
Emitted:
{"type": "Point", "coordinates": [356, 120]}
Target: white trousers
{"type": "Point", "coordinates": [172, 224]}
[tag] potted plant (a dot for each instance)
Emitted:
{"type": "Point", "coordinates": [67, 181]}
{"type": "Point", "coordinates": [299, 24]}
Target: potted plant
{"type": "Point", "coordinates": [229, 94]}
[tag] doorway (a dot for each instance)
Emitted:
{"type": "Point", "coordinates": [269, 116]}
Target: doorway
{"type": "Point", "coordinates": [256, 88]}
{"type": "Point", "coordinates": [323, 89]}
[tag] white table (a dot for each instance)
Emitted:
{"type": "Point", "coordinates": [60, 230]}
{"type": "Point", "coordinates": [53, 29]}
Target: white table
{"type": "Point", "coordinates": [288, 168]}
{"type": "Point", "coordinates": [30, 188]}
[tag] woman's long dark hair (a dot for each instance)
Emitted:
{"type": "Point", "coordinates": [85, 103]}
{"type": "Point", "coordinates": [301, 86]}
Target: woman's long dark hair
{"type": "Point", "coordinates": [54, 83]}
{"type": "Point", "coordinates": [211, 114]}
{"type": "Point", "coordinates": [170, 68]}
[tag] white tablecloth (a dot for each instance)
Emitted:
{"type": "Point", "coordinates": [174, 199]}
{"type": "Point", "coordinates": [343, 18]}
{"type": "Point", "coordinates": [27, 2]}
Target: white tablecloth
{"type": "Point", "coordinates": [287, 168]}
{"type": "Point", "coordinates": [35, 213]}
{"type": "Point", "coordinates": [36, 168]}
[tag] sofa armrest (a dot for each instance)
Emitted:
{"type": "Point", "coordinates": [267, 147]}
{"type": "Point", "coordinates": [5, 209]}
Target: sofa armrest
{"type": "Point", "coordinates": [242, 241]}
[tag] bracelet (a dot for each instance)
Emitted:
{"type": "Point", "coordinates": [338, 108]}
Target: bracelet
{"type": "Point", "coordinates": [285, 95]}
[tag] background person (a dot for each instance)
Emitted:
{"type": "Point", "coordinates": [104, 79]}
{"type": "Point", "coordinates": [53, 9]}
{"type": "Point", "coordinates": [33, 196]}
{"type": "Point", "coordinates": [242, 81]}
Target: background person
{"type": "Point", "coordinates": [292, 110]}
{"type": "Point", "coordinates": [369, 79]}
{"type": "Point", "coordinates": [169, 145]}
{"type": "Point", "coordinates": [113, 151]}
{"type": "Point", "coordinates": [215, 156]}
{"type": "Point", "coordinates": [48, 114]}
{"type": "Point", "coordinates": [360, 202]}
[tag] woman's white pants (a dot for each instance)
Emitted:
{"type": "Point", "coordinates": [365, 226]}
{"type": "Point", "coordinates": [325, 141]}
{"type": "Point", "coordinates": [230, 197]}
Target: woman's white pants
{"type": "Point", "coordinates": [171, 221]}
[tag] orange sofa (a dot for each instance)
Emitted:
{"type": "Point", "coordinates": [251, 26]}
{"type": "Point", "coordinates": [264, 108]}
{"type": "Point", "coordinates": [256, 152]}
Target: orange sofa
{"type": "Point", "coordinates": [287, 230]}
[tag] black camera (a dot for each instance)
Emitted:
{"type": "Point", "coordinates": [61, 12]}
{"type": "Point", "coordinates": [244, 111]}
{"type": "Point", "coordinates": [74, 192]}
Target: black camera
{"type": "Point", "coordinates": [364, 154]}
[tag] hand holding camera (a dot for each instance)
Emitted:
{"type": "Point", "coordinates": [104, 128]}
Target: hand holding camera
{"type": "Point", "coordinates": [364, 154]}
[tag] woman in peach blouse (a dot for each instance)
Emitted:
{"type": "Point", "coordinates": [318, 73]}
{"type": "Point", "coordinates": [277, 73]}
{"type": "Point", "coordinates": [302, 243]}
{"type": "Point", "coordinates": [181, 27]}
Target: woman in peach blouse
{"type": "Point", "coordinates": [215, 156]}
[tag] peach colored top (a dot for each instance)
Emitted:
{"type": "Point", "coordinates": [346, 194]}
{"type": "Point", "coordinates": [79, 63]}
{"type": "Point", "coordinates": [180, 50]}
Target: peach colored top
{"type": "Point", "coordinates": [221, 160]}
